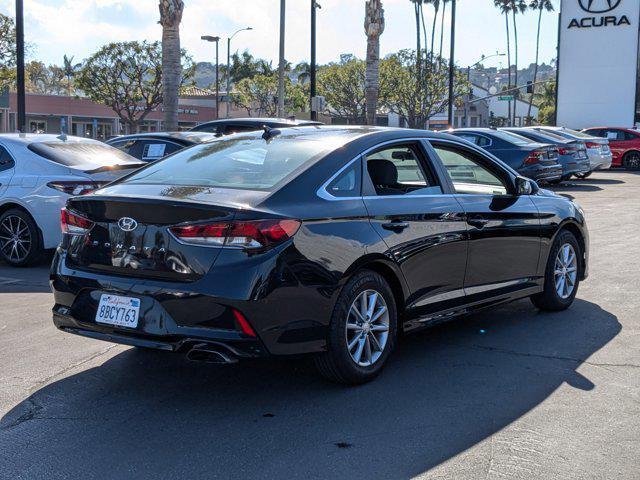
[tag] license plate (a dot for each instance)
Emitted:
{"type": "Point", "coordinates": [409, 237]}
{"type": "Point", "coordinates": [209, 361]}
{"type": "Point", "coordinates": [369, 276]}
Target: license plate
{"type": "Point", "coordinates": [118, 311]}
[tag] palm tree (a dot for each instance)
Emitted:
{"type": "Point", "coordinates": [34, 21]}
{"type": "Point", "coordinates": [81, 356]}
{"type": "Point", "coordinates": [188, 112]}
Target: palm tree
{"type": "Point", "coordinates": [70, 70]}
{"type": "Point", "coordinates": [517, 6]}
{"type": "Point", "coordinates": [541, 6]}
{"type": "Point", "coordinates": [170, 18]}
{"type": "Point", "coordinates": [505, 8]}
{"type": "Point", "coordinates": [417, 7]}
{"type": "Point", "coordinates": [444, 11]}
{"type": "Point", "coordinates": [303, 72]}
{"type": "Point", "coordinates": [436, 8]}
{"type": "Point", "coordinates": [373, 28]}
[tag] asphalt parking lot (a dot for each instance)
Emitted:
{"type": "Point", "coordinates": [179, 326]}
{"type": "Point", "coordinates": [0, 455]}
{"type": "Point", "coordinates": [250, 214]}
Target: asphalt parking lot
{"type": "Point", "coordinates": [510, 393]}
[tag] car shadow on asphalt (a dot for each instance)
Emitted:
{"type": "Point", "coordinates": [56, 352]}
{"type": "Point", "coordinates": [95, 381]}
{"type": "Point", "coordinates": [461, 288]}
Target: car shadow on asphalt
{"type": "Point", "coordinates": [147, 414]}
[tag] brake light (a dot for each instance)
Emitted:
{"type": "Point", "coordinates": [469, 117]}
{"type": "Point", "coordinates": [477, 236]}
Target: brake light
{"type": "Point", "coordinates": [73, 223]}
{"type": "Point", "coordinates": [593, 145]}
{"type": "Point", "coordinates": [534, 157]}
{"type": "Point", "coordinates": [75, 187]}
{"type": "Point", "coordinates": [249, 235]}
{"type": "Point", "coordinates": [567, 150]}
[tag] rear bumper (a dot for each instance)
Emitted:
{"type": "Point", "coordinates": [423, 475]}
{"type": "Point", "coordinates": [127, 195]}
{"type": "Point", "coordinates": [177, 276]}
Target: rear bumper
{"type": "Point", "coordinates": [599, 161]}
{"type": "Point", "coordinates": [543, 173]}
{"type": "Point", "coordinates": [287, 318]}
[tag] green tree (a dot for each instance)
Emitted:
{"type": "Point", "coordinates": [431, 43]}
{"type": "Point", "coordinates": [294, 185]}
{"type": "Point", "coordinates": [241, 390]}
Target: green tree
{"type": "Point", "coordinates": [170, 18]}
{"type": "Point", "coordinates": [45, 80]}
{"type": "Point", "coordinates": [540, 6]}
{"type": "Point", "coordinates": [373, 28]}
{"type": "Point", "coordinates": [258, 95]}
{"type": "Point", "coordinates": [7, 51]}
{"type": "Point", "coordinates": [127, 77]}
{"type": "Point", "coordinates": [343, 86]}
{"type": "Point", "coordinates": [547, 103]}
{"type": "Point", "coordinates": [415, 97]}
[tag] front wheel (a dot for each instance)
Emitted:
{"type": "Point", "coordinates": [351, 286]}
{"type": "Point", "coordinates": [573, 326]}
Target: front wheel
{"type": "Point", "coordinates": [562, 275]}
{"type": "Point", "coordinates": [362, 332]}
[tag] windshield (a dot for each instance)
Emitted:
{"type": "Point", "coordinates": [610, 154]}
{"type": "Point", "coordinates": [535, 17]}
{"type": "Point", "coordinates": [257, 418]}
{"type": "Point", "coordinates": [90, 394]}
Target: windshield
{"type": "Point", "coordinates": [241, 161]}
{"type": "Point", "coordinates": [79, 153]}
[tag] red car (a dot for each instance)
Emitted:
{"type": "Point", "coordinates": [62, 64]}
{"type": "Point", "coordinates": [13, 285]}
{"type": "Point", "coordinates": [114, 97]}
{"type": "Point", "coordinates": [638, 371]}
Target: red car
{"type": "Point", "coordinates": [624, 143]}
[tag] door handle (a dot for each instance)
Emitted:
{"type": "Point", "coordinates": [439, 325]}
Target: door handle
{"type": "Point", "coordinates": [477, 222]}
{"type": "Point", "coordinates": [396, 227]}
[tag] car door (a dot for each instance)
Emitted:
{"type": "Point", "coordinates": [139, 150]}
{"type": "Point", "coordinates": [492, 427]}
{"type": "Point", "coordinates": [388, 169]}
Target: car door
{"type": "Point", "coordinates": [7, 169]}
{"type": "Point", "coordinates": [420, 221]}
{"type": "Point", "coordinates": [618, 142]}
{"type": "Point", "coordinates": [503, 227]}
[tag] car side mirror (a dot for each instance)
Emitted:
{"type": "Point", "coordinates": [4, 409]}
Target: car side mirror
{"type": "Point", "coordinates": [526, 186]}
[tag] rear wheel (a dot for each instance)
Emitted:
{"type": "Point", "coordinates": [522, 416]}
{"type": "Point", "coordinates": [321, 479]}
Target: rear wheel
{"type": "Point", "coordinates": [20, 244]}
{"type": "Point", "coordinates": [584, 175]}
{"type": "Point", "coordinates": [631, 161]}
{"type": "Point", "coordinates": [562, 275]}
{"type": "Point", "coordinates": [362, 332]}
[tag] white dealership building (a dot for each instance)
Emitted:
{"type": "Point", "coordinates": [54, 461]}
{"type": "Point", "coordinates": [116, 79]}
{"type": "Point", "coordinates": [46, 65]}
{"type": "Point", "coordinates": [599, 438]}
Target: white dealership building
{"type": "Point", "coordinates": [598, 63]}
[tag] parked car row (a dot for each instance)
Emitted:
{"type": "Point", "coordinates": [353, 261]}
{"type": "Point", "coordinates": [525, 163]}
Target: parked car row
{"type": "Point", "coordinates": [544, 154]}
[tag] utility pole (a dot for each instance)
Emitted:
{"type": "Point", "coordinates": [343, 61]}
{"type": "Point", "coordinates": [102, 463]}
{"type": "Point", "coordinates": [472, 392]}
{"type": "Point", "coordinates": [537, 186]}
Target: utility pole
{"type": "Point", "coordinates": [283, 8]}
{"type": "Point", "coordinates": [314, 6]}
{"type": "Point", "coordinates": [209, 38]}
{"type": "Point", "coordinates": [22, 120]}
{"type": "Point", "coordinates": [452, 57]}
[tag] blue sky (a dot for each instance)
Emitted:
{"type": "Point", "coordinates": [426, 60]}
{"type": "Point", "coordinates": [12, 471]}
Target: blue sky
{"type": "Point", "coordinates": [79, 27]}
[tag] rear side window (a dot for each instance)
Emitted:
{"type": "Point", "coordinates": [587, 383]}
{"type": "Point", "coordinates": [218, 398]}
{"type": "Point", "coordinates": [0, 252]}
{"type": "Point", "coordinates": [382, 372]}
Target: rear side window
{"type": "Point", "coordinates": [347, 184]}
{"type": "Point", "coordinates": [155, 149]}
{"type": "Point", "coordinates": [242, 161]}
{"type": "Point", "coordinates": [6, 160]}
{"type": "Point", "coordinates": [77, 153]}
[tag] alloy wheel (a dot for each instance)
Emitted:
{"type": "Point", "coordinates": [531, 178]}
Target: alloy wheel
{"type": "Point", "coordinates": [15, 239]}
{"type": "Point", "coordinates": [566, 271]}
{"type": "Point", "coordinates": [632, 161]}
{"type": "Point", "coordinates": [367, 329]}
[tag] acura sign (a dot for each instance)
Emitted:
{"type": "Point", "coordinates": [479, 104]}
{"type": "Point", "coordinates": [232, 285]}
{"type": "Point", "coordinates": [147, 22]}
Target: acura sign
{"type": "Point", "coordinates": [598, 8]}
{"type": "Point", "coordinates": [597, 62]}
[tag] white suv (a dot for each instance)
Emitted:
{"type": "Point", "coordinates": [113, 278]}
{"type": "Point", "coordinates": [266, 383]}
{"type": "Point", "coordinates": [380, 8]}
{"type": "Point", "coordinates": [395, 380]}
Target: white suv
{"type": "Point", "coordinates": [37, 175]}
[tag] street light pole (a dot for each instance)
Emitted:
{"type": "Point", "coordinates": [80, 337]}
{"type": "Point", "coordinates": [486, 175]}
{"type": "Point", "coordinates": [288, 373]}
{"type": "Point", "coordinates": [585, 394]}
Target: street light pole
{"type": "Point", "coordinates": [314, 6]}
{"type": "Point", "coordinates": [283, 8]}
{"type": "Point", "coordinates": [452, 61]}
{"type": "Point", "coordinates": [229, 68]}
{"type": "Point", "coordinates": [22, 120]}
{"type": "Point", "coordinates": [209, 38]}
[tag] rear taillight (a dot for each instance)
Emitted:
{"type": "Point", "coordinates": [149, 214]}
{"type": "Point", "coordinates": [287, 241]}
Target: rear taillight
{"type": "Point", "coordinates": [250, 234]}
{"type": "Point", "coordinates": [535, 157]}
{"type": "Point", "coordinates": [243, 323]}
{"type": "Point", "coordinates": [73, 223]}
{"type": "Point", "coordinates": [76, 187]}
{"type": "Point", "coordinates": [567, 150]}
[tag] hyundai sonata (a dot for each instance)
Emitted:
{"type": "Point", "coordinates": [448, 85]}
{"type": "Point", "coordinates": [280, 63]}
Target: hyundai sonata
{"type": "Point", "coordinates": [325, 241]}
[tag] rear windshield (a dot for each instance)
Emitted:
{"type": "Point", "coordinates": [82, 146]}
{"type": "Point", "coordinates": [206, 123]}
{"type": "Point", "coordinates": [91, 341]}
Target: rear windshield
{"type": "Point", "coordinates": [575, 133]}
{"type": "Point", "coordinates": [242, 161]}
{"type": "Point", "coordinates": [75, 154]}
{"type": "Point", "coordinates": [511, 137]}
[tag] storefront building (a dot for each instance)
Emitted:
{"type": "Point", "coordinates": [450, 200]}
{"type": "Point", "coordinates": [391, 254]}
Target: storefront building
{"type": "Point", "coordinates": [84, 118]}
{"type": "Point", "coordinates": [598, 63]}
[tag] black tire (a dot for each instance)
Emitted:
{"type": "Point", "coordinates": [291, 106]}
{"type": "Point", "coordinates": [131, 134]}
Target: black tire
{"type": "Point", "coordinates": [584, 175]}
{"type": "Point", "coordinates": [549, 299]}
{"type": "Point", "coordinates": [631, 161]}
{"type": "Point", "coordinates": [30, 250]}
{"type": "Point", "coordinates": [337, 364]}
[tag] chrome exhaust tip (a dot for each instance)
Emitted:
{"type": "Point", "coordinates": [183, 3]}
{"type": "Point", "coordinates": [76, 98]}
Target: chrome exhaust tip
{"type": "Point", "coordinates": [204, 353]}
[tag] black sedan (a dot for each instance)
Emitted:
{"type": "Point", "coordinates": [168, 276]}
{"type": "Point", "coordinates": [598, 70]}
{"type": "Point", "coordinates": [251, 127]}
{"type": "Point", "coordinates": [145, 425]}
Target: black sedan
{"type": "Point", "coordinates": [228, 126]}
{"type": "Point", "coordinates": [150, 147]}
{"type": "Point", "coordinates": [535, 160]}
{"type": "Point", "coordinates": [326, 241]}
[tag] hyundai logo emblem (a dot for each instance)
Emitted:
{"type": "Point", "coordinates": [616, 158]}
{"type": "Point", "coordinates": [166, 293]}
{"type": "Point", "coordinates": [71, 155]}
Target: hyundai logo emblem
{"type": "Point", "coordinates": [598, 6]}
{"type": "Point", "coordinates": [127, 224]}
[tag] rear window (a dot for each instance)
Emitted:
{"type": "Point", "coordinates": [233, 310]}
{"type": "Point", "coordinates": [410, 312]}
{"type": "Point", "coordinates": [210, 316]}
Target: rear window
{"type": "Point", "coordinates": [513, 138]}
{"type": "Point", "coordinates": [242, 161]}
{"type": "Point", "coordinates": [574, 133]}
{"type": "Point", "coordinates": [74, 154]}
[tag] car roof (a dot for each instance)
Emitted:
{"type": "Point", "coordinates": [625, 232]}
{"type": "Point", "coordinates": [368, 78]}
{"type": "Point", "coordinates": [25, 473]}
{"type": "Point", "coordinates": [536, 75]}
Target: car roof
{"type": "Point", "coordinates": [259, 121]}
{"type": "Point", "coordinates": [191, 137]}
{"type": "Point", "coordinates": [25, 139]}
